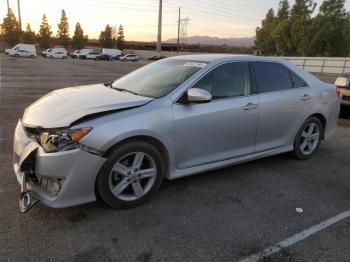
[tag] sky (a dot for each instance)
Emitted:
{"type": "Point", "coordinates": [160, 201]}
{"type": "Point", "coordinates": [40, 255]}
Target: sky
{"type": "Point", "coordinates": [220, 18]}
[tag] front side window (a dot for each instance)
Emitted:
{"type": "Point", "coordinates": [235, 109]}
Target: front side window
{"type": "Point", "coordinates": [227, 81]}
{"type": "Point", "coordinates": [272, 77]}
{"type": "Point", "coordinates": [157, 79]}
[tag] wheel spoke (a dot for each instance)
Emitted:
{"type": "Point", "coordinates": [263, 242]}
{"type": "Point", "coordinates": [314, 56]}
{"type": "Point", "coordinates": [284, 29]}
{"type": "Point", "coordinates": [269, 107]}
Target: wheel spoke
{"type": "Point", "coordinates": [304, 134]}
{"type": "Point", "coordinates": [311, 128]}
{"type": "Point", "coordinates": [303, 145]}
{"type": "Point", "coordinates": [145, 173]}
{"type": "Point", "coordinates": [315, 136]}
{"type": "Point", "coordinates": [121, 169]}
{"type": "Point", "coordinates": [120, 187]}
{"type": "Point", "coordinates": [138, 160]}
{"type": "Point", "coordinates": [136, 186]}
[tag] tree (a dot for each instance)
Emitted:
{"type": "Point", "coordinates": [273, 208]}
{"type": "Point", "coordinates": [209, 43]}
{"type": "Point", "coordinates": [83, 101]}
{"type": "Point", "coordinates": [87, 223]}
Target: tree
{"type": "Point", "coordinates": [29, 36]}
{"type": "Point", "coordinates": [106, 37]}
{"type": "Point", "coordinates": [265, 40]}
{"type": "Point", "coordinates": [10, 29]}
{"type": "Point", "coordinates": [283, 10]}
{"type": "Point", "coordinates": [45, 33]}
{"type": "Point", "coordinates": [79, 40]}
{"type": "Point", "coordinates": [63, 30]}
{"type": "Point", "coordinates": [303, 8]}
{"type": "Point", "coordinates": [329, 28]}
{"type": "Point", "coordinates": [120, 39]}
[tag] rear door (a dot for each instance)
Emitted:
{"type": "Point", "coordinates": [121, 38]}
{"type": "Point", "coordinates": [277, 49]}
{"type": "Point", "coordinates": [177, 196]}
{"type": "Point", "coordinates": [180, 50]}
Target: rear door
{"type": "Point", "coordinates": [285, 100]}
{"type": "Point", "coordinates": [222, 129]}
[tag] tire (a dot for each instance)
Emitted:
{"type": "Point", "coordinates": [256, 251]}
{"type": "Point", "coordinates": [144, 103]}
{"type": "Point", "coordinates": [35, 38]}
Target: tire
{"type": "Point", "coordinates": [51, 57]}
{"type": "Point", "coordinates": [308, 139]}
{"type": "Point", "coordinates": [127, 184]}
{"type": "Point", "coordinates": [124, 60]}
{"type": "Point", "coordinates": [32, 56]}
{"type": "Point", "coordinates": [16, 55]}
{"type": "Point", "coordinates": [64, 57]}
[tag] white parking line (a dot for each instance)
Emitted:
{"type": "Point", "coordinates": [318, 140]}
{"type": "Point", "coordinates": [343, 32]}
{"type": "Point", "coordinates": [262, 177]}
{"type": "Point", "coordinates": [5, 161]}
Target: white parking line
{"type": "Point", "coordinates": [296, 238]}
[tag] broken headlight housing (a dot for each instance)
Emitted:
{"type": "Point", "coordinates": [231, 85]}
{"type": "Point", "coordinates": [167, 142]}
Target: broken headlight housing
{"type": "Point", "coordinates": [61, 139]}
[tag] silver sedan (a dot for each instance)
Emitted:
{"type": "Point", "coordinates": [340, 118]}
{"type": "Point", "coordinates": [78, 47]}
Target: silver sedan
{"type": "Point", "coordinates": [172, 118]}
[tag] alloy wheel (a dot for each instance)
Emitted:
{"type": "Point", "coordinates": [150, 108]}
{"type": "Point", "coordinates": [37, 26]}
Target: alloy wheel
{"type": "Point", "coordinates": [132, 176]}
{"type": "Point", "coordinates": [310, 137]}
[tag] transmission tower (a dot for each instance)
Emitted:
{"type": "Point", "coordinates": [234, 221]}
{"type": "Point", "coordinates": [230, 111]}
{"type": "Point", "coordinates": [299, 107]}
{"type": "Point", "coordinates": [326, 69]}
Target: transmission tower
{"type": "Point", "coordinates": [183, 29]}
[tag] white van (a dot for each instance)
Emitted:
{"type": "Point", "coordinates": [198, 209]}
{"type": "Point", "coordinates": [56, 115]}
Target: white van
{"type": "Point", "coordinates": [78, 53]}
{"type": "Point", "coordinates": [24, 47]}
{"type": "Point", "coordinates": [113, 53]}
{"type": "Point", "coordinates": [51, 51]}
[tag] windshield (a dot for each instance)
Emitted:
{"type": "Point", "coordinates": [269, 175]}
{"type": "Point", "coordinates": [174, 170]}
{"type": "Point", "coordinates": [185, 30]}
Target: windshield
{"type": "Point", "coordinates": [159, 78]}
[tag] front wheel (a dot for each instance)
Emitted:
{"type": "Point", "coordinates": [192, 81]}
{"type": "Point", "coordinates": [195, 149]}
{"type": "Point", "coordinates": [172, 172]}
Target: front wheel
{"type": "Point", "coordinates": [132, 174]}
{"type": "Point", "coordinates": [308, 139]}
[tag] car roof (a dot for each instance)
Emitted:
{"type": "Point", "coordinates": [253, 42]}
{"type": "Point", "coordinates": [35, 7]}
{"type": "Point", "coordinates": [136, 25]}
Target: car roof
{"type": "Point", "coordinates": [210, 58]}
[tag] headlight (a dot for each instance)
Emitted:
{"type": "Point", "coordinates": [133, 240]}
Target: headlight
{"type": "Point", "coordinates": [62, 139]}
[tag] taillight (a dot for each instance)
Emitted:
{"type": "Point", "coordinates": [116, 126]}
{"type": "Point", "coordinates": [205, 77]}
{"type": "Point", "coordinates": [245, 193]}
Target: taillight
{"type": "Point", "coordinates": [337, 90]}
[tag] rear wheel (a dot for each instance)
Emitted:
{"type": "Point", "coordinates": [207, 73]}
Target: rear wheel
{"type": "Point", "coordinates": [51, 56]}
{"type": "Point", "coordinates": [308, 139]}
{"type": "Point", "coordinates": [131, 175]}
{"type": "Point", "coordinates": [32, 56]}
{"type": "Point", "coordinates": [16, 55]}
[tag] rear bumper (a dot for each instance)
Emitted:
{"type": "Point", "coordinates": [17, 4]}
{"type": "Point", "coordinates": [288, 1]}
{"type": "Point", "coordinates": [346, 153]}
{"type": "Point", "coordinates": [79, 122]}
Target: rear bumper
{"type": "Point", "coordinates": [76, 170]}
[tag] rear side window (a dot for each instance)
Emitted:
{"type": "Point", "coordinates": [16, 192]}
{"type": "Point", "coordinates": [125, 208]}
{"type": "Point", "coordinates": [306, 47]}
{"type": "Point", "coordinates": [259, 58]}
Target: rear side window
{"type": "Point", "coordinates": [297, 81]}
{"type": "Point", "coordinates": [272, 77]}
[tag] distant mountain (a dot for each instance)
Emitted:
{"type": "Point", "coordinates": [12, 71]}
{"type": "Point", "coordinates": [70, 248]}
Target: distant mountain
{"type": "Point", "coordinates": [208, 40]}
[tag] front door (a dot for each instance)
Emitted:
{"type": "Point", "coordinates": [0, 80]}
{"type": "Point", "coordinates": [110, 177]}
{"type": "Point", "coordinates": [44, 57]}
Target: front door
{"type": "Point", "coordinates": [222, 129]}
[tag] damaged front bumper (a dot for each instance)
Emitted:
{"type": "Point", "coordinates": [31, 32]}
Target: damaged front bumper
{"type": "Point", "coordinates": [60, 179]}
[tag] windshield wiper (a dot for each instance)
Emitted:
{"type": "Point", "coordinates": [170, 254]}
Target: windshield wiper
{"type": "Point", "coordinates": [110, 84]}
{"type": "Point", "coordinates": [125, 90]}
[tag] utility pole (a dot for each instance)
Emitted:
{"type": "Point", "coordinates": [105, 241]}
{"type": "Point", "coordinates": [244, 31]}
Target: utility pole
{"type": "Point", "coordinates": [19, 16]}
{"type": "Point", "coordinates": [8, 6]}
{"type": "Point", "coordinates": [159, 37]}
{"type": "Point", "coordinates": [178, 31]}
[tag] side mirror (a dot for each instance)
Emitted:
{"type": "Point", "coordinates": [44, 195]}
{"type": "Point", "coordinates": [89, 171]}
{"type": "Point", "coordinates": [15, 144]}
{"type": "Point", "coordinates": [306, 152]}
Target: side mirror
{"type": "Point", "coordinates": [196, 95]}
{"type": "Point", "coordinates": [342, 81]}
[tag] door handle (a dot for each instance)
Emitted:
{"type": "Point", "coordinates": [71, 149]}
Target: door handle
{"type": "Point", "coordinates": [250, 106]}
{"type": "Point", "coordinates": [305, 97]}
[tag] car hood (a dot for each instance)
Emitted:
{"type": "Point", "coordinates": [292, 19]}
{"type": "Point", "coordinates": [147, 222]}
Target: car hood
{"type": "Point", "coordinates": [63, 106]}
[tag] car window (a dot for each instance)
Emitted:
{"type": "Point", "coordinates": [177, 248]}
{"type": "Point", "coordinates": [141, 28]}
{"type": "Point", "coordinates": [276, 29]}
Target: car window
{"type": "Point", "coordinates": [297, 81]}
{"type": "Point", "coordinates": [226, 81]}
{"type": "Point", "coordinates": [272, 77]}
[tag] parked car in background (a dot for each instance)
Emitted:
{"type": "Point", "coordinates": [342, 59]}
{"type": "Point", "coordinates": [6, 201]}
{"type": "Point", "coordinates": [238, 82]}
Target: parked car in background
{"type": "Point", "coordinates": [62, 54]}
{"type": "Point", "coordinates": [90, 55]}
{"type": "Point", "coordinates": [172, 118]}
{"type": "Point", "coordinates": [49, 53]}
{"type": "Point", "coordinates": [22, 53]}
{"type": "Point", "coordinates": [111, 52]}
{"type": "Point", "coordinates": [156, 58]}
{"type": "Point", "coordinates": [130, 57]}
{"type": "Point", "coordinates": [104, 57]}
{"type": "Point", "coordinates": [78, 53]}
{"type": "Point", "coordinates": [117, 57]}
{"type": "Point", "coordinates": [30, 48]}
{"type": "Point", "coordinates": [343, 89]}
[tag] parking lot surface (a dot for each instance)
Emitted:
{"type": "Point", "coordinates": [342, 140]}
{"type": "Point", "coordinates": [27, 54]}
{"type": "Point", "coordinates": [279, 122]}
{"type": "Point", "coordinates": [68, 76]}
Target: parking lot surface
{"type": "Point", "coordinates": [224, 215]}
